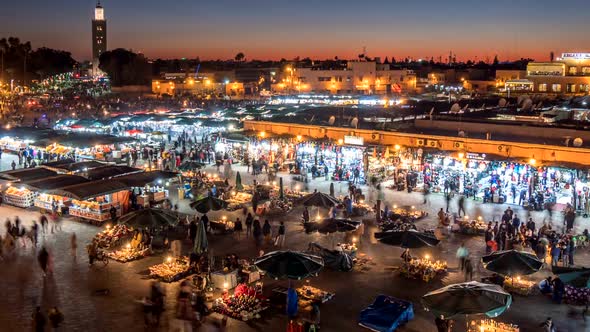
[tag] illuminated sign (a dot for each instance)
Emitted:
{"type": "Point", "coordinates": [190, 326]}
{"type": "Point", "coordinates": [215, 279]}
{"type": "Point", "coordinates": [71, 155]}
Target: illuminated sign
{"type": "Point", "coordinates": [353, 140]}
{"type": "Point", "coordinates": [476, 156]}
{"type": "Point", "coordinates": [575, 56]}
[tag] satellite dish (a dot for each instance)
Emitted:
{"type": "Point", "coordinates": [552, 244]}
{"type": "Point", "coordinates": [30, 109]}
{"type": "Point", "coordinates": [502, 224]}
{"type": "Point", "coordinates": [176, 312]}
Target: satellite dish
{"type": "Point", "coordinates": [527, 105]}
{"type": "Point", "coordinates": [332, 120]}
{"type": "Point", "coordinates": [502, 102]}
{"type": "Point", "coordinates": [578, 142]}
{"type": "Point", "coordinates": [354, 123]}
{"type": "Point", "coordinates": [455, 108]}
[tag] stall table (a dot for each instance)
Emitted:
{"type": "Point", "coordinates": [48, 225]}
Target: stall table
{"type": "Point", "coordinates": [423, 269]}
{"type": "Point", "coordinates": [519, 286]}
{"type": "Point", "coordinates": [172, 270]}
{"type": "Point", "coordinates": [488, 325]}
{"type": "Point", "coordinates": [221, 279]}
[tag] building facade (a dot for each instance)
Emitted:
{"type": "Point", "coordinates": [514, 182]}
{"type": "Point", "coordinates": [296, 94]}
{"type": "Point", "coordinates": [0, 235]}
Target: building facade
{"type": "Point", "coordinates": [568, 74]}
{"type": "Point", "coordinates": [99, 37]}
{"type": "Point", "coordinates": [359, 77]}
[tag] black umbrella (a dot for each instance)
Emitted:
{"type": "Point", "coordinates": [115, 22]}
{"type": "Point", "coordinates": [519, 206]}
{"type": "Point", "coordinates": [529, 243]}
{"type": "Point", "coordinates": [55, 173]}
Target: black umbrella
{"type": "Point", "coordinates": [512, 263]}
{"type": "Point", "coordinates": [330, 225]}
{"type": "Point", "coordinates": [149, 218]}
{"type": "Point", "coordinates": [207, 204]}
{"type": "Point", "coordinates": [407, 239]}
{"type": "Point", "coordinates": [289, 264]}
{"type": "Point", "coordinates": [575, 276]}
{"type": "Point", "coordinates": [190, 165]}
{"type": "Point", "coordinates": [468, 298]}
{"type": "Point", "coordinates": [319, 199]}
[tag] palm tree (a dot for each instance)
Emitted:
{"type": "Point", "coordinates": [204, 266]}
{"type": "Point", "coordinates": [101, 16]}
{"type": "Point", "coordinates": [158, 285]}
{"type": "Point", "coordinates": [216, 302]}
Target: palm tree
{"type": "Point", "coordinates": [239, 57]}
{"type": "Point", "coordinates": [3, 49]}
{"type": "Point", "coordinates": [25, 50]}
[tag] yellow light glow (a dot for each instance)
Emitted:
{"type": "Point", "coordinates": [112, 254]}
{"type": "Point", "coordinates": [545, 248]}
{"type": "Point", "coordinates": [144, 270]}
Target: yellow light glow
{"type": "Point", "coordinates": [128, 245]}
{"type": "Point", "coordinates": [169, 259]}
{"type": "Point", "coordinates": [262, 134]}
{"type": "Point", "coordinates": [426, 256]}
{"type": "Point", "coordinates": [340, 141]}
{"type": "Point", "coordinates": [397, 147]}
{"type": "Point", "coordinates": [532, 161]}
{"type": "Point", "coordinates": [461, 155]}
{"type": "Point", "coordinates": [299, 137]}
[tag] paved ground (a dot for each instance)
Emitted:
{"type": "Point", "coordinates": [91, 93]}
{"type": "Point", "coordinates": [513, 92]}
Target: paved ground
{"type": "Point", "coordinates": [72, 284]}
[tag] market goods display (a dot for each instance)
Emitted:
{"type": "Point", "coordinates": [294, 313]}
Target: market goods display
{"type": "Point", "coordinates": [349, 248]}
{"type": "Point", "coordinates": [411, 212]}
{"type": "Point", "coordinates": [361, 209]}
{"type": "Point", "coordinates": [277, 206]}
{"type": "Point", "coordinates": [294, 194]}
{"type": "Point", "coordinates": [172, 270]}
{"type": "Point", "coordinates": [112, 236]}
{"type": "Point", "coordinates": [473, 227]}
{"type": "Point", "coordinates": [577, 296]}
{"type": "Point", "coordinates": [128, 254]}
{"type": "Point", "coordinates": [222, 226]}
{"type": "Point", "coordinates": [519, 286]}
{"type": "Point", "coordinates": [238, 200]}
{"type": "Point", "coordinates": [490, 325]}
{"type": "Point", "coordinates": [423, 269]}
{"type": "Point", "coordinates": [314, 294]}
{"type": "Point", "coordinates": [19, 197]}
{"type": "Point", "coordinates": [245, 304]}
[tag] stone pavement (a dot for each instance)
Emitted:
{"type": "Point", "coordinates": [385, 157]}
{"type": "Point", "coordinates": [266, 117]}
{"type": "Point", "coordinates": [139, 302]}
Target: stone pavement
{"type": "Point", "coordinates": [72, 285]}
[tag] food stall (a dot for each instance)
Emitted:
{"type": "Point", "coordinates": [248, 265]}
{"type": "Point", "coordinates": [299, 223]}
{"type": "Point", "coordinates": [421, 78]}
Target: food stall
{"type": "Point", "coordinates": [238, 200]}
{"type": "Point", "coordinates": [19, 196]}
{"type": "Point", "coordinates": [173, 269]}
{"type": "Point", "coordinates": [423, 269]}
{"type": "Point", "coordinates": [245, 304]}
{"type": "Point", "coordinates": [488, 325]}
{"type": "Point", "coordinates": [470, 227]}
{"type": "Point", "coordinates": [221, 226]}
{"type": "Point", "coordinates": [112, 236]}
{"type": "Point", "coordinates": [154, 185]}
{"type": "Point", "coordinates": [519, 286]}
{"type": "Point", "coordinates": [93, 200]}
{"type": "Point", "coordinates": [128, 254]}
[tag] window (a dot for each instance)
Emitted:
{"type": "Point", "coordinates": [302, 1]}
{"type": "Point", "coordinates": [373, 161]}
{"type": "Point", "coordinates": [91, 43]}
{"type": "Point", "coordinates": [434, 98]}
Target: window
{"type": "Point", "coordinates": [570, 88]}
{"type": "Point", "coordinates": [572, 70]}
{"type": "Point", "coordinates": [348, 78]}
{"type": "Point", "coordinates": [584, 88]}
{"type": "Point", "coordinates": [338, 78]}
{"type": "Point", "coordinates": [586, 70]}
{"type": "Point", "coordinates": [542, 87]}
{"type": "Point", "coordinates": [556, 88]}
{"type": "Point", "coordinates": [324, 79]}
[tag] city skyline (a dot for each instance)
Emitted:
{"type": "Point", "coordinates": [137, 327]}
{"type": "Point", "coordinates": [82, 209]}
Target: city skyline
{"type": "Point", "coordinates": [275, 30]}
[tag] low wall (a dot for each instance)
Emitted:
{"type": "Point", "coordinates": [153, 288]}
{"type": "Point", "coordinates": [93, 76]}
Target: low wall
{"type": "Point", "coordinates": [525, 130]}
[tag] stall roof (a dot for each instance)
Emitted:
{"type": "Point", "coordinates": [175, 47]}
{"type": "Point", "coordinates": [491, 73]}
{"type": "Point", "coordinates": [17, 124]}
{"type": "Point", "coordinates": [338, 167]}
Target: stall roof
{"type": "Point", "coordinates": [107, 172]}
{"type": "Point", "coordinates": [62, 162]}
{"type": "Point", "coordinates": [55, 182]}
{"type": "Point", "coordinates": [27, 174]}
{"type": "Point", "coordinates": [141, 179]}
{"type": "Point", "coordinates": [81, 166]}
{"type": "Point", "coordinates": [90, 189]}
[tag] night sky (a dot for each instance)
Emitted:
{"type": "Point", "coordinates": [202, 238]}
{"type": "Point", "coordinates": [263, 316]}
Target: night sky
{"type": "Point", "coordinates": [272, 29]}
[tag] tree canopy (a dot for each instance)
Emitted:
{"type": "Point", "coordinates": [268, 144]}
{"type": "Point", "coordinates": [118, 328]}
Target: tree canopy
{"type": "Point", "coordinates": [40, 63]}
{"type": "Point", "coordinates": [125, 67]}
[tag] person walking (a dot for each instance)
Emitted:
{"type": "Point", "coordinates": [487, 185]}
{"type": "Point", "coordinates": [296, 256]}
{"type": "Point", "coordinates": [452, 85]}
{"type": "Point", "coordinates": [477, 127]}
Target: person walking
{"type": "Point", "coordinates": [468, 266]}
{"type": "Point", "coordinates": [44, 222]}
{"type": "Point", "coordinates": [280, 241]}
{"type": "Point", "coordinates": [555, 252]}
{"type": "Point", "coordinates": [462, 254]}
{"type": "Point", "coordinates": [249, 222]}
{"type": "Point", "coordinates": [238, 228]}
{"type": "Point", "coordinates": [39, 320]}
{"type": "Point", "coordinates": [266, 231]}
{"type": "Point", "coordinates": [43, 259]}
{"type": "Point", "coordinates": [461, 205]}
{"type": "Point", "coordinates": [35, 233]}
{"type": "Point", "coordinates": [55, 318]}
{"type": "Point", "coordinates": [73, 246]}
{"type": "Point", "coordinates": [157, 300]}
{"type": "Point", "coordinates": [257, 233]}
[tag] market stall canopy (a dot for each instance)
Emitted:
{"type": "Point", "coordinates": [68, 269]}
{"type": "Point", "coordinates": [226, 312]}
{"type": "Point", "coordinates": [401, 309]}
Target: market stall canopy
{"type": "Point", "coordinates": [82, 166]}
{"type": "Point", "coordinates": [149, 218]}
{"type": "Point", "coordinates": [386, 313]}
{"type": "Point", "coordinates": [141, 179]}
{"type": "Point", "coordinates": [319, 199]}
{"type": "Point", "coordinates": [190, 165]}
{"type": "Point", "coordinates": [330, 225]}
{"type": "Point", "coordinates": [54, 182]}
{"type": "Point", "coordinates": [110, 171]}
{"type": "Point", "coordinates": [468, 298]}
{"type": "Point", "coordinates": [207, 204]}
{"type": "Point", "coordinates": [407, 239]}
{"type": "Point", "coordinates": [90, 189]}
{"type": "Point", "coordinates": [577, 277]}
{"type": "Point", "coordinates": [57, 163]}
{"type": "Point", "coordinates": [289, 264]}
{"type": "Point", "coordinates": [512, 263]}
{"type": "Point", "coordinates": [81, 140]}
{"type": "Point", "coordinates": [27, 174]}
{"type": "Point", "coordinates": [333, 259]}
